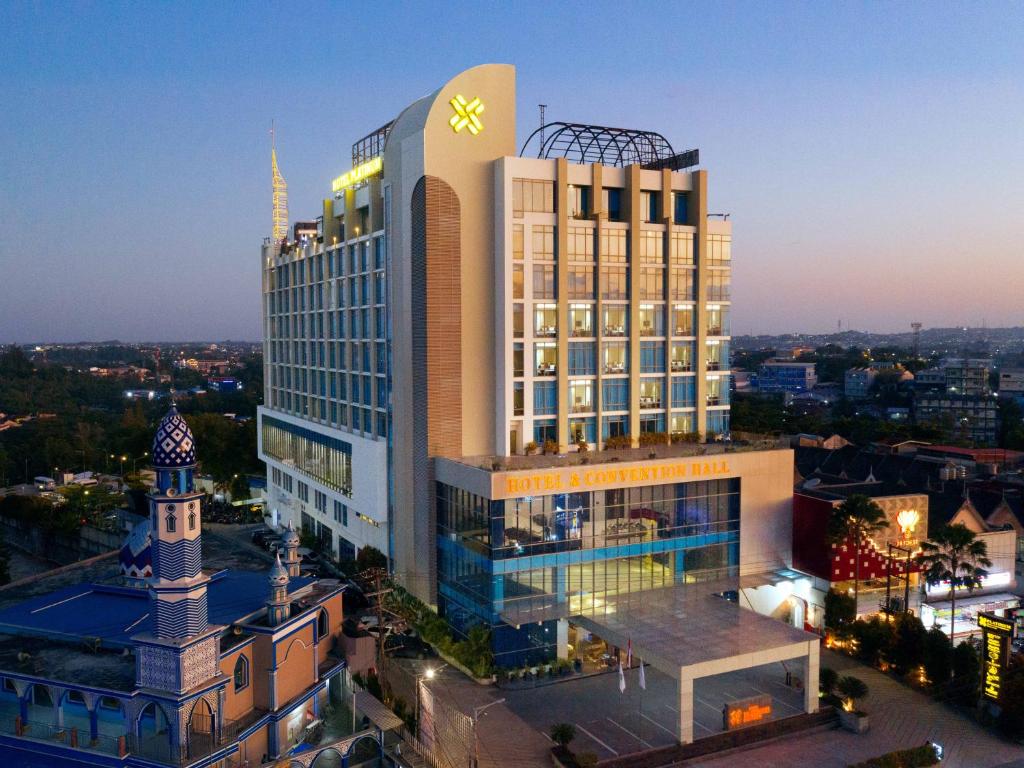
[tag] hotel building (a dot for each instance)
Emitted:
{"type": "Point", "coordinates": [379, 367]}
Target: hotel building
{"type": "Point", "coordinates": [506, 367]}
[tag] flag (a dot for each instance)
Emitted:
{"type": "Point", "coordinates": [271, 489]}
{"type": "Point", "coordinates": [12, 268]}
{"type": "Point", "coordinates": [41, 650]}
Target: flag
{"type": "Point", "coordinates": [629, 653]}
{"type": "Point", "coordinates": [622, 680]}
{"type": "Point", "coordinates": [643, 680]}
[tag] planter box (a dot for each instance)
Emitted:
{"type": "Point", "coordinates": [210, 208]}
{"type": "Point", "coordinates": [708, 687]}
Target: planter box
{"type": "Point", "coordinates": [854, 722]}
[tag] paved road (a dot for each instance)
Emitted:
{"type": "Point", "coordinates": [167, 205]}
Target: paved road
{"type": "Point", "coordinates": [900, 718]}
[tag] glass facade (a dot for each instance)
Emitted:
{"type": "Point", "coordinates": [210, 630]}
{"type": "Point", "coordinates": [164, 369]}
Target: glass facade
{"type": "Point", "coordinates": [567, 553]}
{"type": "Point", "coordinates": [324, 459]}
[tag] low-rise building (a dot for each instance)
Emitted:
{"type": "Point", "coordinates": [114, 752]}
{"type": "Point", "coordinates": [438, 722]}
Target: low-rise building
{"type": "Point", "coordinates": [790, 376]}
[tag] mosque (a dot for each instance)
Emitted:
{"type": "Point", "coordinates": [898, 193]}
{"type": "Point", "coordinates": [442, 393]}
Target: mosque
{"type": "Point", "coordinates": [176, 665]}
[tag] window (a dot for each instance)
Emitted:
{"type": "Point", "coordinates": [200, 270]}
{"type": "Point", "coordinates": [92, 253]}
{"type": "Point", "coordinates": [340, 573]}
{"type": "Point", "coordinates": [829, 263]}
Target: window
{"type": "Point", "coordinates": [614, 246]}
{"type": "Point", "coordinates": [544, 243]}
{"type": "Point", "coordinates": [681, 248]}
{"type": "Point", "coordinates": [191, 521]}
{"type": "Point", "coordinates": [614, 283]}
{"type": "Point", "coordinates": [680, 207]}
{"type": "Point", "coordinates": [652, 283]}
{"type": "Point", "coordinates": [545, 319]}
{"type": "Point", "coordinates": [718, 320]}
{"type": "Point", "coordinates": [614, 426]}
{"type": "Point", "coordinates": [545, 358]}
{"type": "Point", "coordinates": [650, 393]}
{"type": "Point", "coordinates": [544, 281]}
{"type": "Point", "coordinates": [580, 242]}
{"type": "Point", "coordinates": [616, 321]}
{"type": "Point", "coordinates": [582, 359]}
{"type": "Point", "coordinates": [583, 430]}
{"type": "Point", "coordinates": [517, 242]}
{"type": "Point", "coordinates": [652, 249]}
{"type": "Point", "coordinates": [649, 206]}
{"type": "Point", "coordinates": [682, 356]}
{"type": "Point", "coordinates": [579, 202]}
{"type": "Point", "coordinates": [581, 282]}
{"type": "Point", "coordinates": [719, 250]}
{"type": "Point", "coordinates": [517, 281]}
{"type": "Point", "coordinates": [652, 357]}
{"type": "Point", "coordinates": [517, 321]}
{"type": "Point", "coordinates": [581, 319]}
{"type": "Point", "coordinates": [615, 395]}
{"type": "Point", "coordinates": [682, 423]}
{"type": "Point", "coordinates": [170, 523]}
{"type": "Point", "coordinates": [652, 320]}
{"type": "Point", "coordinates": [581, 396]}
{"type": "Point", "coordinates": [615, 357]}
{"type": "Point", "coordinates": [518, 399]}
{"type": "Point", "coordinates": [323, 624]}
{"type": "Point", "coordinates": [517, 359]}
{"type": "Point", "coordinates": [241, 675]}
{"type": "Point", "coordinates": [530, 196]}
{"type": "Point", "coordinates": [325, 459]}
{"type": "Point", "coordinates": [545, 398]}
{"type": "Point", "coordinates": [718, 285]}
{"type": "Point", "coordinates": [684, 393]}
{"type": "Point", "coordinates": [544, 430]}
{"type": "Point", "coordinates": [611, 201]}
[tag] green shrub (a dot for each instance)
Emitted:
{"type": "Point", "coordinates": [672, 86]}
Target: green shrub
{"type": "Point", "coordinates": [938, 658]}
{"type": "Point", "coordinates": [563, 733]}
{"type": "Point", "coordinates": [840, 609]}
{"type": "Point", "coordinates": [916, 757]}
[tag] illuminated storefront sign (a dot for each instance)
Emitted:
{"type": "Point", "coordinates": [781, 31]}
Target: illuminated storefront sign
{"type": "Point", "coordinates": [744, 712]}
{"type": "Point", "coordinates": [907, 520]}
{"type": "Point", "coordinates": [995, 646]}
{"type": "Point", "coordinates": [598, 478]}
{"type": "Point", "coordinates": [467, 115]}
{"type": "Point", "coordinates": [998, 579]}
{"type": "Point", "coordinates": [357, 174]}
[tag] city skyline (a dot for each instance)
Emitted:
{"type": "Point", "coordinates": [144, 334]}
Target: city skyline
{"type": "Point", "coordinates": [836, 156]}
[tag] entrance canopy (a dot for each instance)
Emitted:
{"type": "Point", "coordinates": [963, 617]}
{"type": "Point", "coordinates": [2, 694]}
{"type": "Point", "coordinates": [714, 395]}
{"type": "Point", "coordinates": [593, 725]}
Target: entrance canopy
{"type": "Point", "coordinates": [689, 631]}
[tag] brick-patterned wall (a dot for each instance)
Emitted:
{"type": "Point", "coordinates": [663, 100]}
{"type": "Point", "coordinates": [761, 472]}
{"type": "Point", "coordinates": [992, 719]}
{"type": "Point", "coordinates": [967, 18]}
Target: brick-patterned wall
{"type": "Point", "coordinates": [436, 345]}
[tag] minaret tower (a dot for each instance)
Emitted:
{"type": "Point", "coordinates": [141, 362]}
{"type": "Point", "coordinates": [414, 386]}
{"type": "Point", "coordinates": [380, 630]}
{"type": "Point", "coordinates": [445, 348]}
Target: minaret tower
{"type": "Point", "coordinates": [180, 650]}
{"type": "Point", "coordinates": [290, 541]}
{"type": "Point", "coordinates": [277, 606]}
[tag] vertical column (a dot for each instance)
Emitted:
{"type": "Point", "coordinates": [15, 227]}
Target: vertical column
{"type": "Point", "coordinates": [562, 638]}
{"type": "Point", "coordinates": [811, 667]}
{"type": "Point", "coordinates": [665, 217]}
{"type": "Point", "coordinates": [685, 708]}
{"type": "Point", "coordinates": [561, 292]}
{"type": "Point", "coordinates": [698, 212]}
{"type": "Point", "coordinates": [633, 247]}
{"type": "Point", "coordinates": [596, 197]}
{"type": "Point", "coordinates": [94, 724]}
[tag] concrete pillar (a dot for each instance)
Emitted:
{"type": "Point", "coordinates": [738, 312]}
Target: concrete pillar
{"type": "Point", "coordinates": [94, 725]}
{"type": "Point", "coordinates": [811, 667]}
{"type": "Point", "coordinates": [562, 638]}
{"type": "Point", "coordinates": [685, 708]}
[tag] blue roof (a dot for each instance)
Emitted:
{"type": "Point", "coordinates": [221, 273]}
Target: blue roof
{"type": "Point", "coordinates": [115, 614]}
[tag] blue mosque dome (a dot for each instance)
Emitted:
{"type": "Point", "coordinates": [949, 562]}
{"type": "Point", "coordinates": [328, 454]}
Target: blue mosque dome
{"type": "Point", "coordinates": [136, 557]}
{"type": "Point", "coordinates": [173, 445]}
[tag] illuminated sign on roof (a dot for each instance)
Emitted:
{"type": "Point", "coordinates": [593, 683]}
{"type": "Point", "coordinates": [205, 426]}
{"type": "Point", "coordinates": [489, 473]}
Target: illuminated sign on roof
{"type": "Point", "coordinates": [357, 174]}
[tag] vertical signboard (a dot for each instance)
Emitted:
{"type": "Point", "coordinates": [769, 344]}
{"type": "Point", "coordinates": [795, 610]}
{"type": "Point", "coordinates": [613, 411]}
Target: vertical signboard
{"type": "Point", "coordinates": [996, 637]}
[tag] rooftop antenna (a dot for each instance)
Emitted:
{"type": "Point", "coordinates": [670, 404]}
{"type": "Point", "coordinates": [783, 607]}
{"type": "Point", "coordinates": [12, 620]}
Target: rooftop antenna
{"type": "Point", "coordinates": [540, 147]}
{"type": "Point", "coordinates": [280, 197]}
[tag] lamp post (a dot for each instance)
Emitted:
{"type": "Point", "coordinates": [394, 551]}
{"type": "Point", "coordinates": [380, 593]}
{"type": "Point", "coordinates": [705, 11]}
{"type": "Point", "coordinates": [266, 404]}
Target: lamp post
{"type": "Point", "coordinates": [134, 460]}
{"type": "Point", "coordinates": [477, 711]}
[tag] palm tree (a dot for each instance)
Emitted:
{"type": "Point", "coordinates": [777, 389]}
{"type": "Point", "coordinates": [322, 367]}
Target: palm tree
{"type": "Point", "coordinates": [851, 689]}
{"type": "Point", "coordinates": [857, 518]}
{"type": "Point", "coordinates": [956, 555]}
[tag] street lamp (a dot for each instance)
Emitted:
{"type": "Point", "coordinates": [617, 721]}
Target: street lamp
{"type": "Point", "coordinates": [477, 711]}
{"type": "Point", "coordinates": [144, 455]}
{"type": "Point", "coordinates": [428, 674]}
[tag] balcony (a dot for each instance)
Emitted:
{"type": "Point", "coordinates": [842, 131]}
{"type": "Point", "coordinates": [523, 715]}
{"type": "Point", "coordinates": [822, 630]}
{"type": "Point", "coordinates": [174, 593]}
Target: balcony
{"type": "Point", "coordinates": [680, 366]}
{"type": "Point", "coordinates": [582, 331]}
{"type": "Point", "coordinates": [614, 368]}
{"type": "Point", "coordinates": [581, 406]}
{"type": "Point", "coordinates": [714, 365]}
{"type": "Point", "coordinates": [714, 330]}
{"type": "Point", "coordinates": [546, 369]}
{"type": "Point", "coordinates": [714, 400]}
{"type": "Point", "coordinates": [546, 331]}
{"type": "Point", "coordinates": [647, 401]}
{"type": "Point", "coordinates": [614, 330]}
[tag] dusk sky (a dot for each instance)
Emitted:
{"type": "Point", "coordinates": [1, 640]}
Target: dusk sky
{"type": "Point", "coordinates": [871, 156]}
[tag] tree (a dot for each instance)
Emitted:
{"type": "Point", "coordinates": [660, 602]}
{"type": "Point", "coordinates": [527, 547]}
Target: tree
{"type": "Point", "coordinates": [852, 689]}
{"type": "Point", "coordinates": [966, 673]}
{"type": "Point", "coordinates": [563, 733]}
{"type": "Point", "coordinates": [954, 554]}
{"type": "Point", "coordinates": [840, 609]}
{"type": "Point", "coordinates": [908, 644]}
{"type": "Point", "coordinates": [938, 657]}
{"type": "Point", "coordinates": [828, 678]}
{"type": "Point", "coordinates": [858, 518]}
{"type": "Point", "coordinates": [370, 557]}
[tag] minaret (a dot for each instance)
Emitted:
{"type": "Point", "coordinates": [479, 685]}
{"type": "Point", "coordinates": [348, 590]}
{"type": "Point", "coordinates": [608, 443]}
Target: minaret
{"type": "Point", "coordinates": [290, 541]}
{"type": "Point", "coordinates": [179, 652]}
{"type": "Point", "coordinates": [277, 606]}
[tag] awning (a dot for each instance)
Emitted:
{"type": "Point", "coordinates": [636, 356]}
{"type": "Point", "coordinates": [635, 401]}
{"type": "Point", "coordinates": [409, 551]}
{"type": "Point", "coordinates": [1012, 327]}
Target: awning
{"type": "Point", "coordinates": [379, 715]}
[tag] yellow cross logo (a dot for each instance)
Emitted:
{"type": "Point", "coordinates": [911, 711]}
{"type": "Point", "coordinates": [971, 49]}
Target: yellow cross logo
{"type": "Point", "coordinates": [467, 115]}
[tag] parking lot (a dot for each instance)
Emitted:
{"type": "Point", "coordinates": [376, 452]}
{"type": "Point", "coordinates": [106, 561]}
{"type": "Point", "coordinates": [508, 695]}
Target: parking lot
{"type": "Point", "coordinates": [610, 724]}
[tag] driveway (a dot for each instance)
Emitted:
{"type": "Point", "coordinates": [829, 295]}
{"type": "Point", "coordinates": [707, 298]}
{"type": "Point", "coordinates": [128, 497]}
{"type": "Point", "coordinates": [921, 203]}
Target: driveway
{"type": "Point", "coordinates": [900, 718]}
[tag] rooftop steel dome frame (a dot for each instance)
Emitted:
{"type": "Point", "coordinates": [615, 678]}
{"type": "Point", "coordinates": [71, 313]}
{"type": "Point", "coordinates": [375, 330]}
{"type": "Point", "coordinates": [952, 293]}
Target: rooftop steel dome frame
{"type": "Point", "coordinates": [582, 143]}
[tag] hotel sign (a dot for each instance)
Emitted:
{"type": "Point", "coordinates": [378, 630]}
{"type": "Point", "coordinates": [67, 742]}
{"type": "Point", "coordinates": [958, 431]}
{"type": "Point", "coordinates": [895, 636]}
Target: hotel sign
{"type": "Point", "coordinates": [995, 644]}
{"type": "Point", "coordinates": [582, 478]}
{"type": "Point", "coordinates": [744, 712]}
{"type": "Point", "coordinates": [357, 174]}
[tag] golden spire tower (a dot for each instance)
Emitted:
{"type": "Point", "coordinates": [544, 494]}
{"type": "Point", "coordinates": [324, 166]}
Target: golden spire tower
{"type": "Point", "coordinates": [280, 232]}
